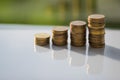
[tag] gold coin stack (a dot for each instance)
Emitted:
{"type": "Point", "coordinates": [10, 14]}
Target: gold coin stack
{"type": "Point", "coordinates": [78, 33]}
{"type": "Point", "coordinates": [96, 24]}
{"type": "Point", "coordinates": [60, 36]}
{"type": "Point", "coordinates": [41, 39]}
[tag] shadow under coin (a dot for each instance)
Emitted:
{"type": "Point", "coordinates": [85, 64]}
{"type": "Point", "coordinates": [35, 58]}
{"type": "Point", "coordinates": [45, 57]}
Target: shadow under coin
{"type": "Point", "coordinates": [95, 60]}
{"type": "Point", "coordinates": [59, 52]}
{"type": "Point", "coordinates": [112, 52]}
{"type": "Point", "coordinates": [77, 56]}
{"type": "Point", "coordinates": [112, 62]}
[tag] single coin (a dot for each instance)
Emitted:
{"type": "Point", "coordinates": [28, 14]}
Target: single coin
{"type": "Point", "coordinates": [42, 36]}
{"type": "Point", "coordinates": [78, 35]}
{"type": "Point", "coordinates": [96, 39]}
{"type": "Point", "coordinates": [96, 16]}
{"type": "Point", "coordinates": [96, 25]}
{"type": "Point", "coordinates": [78, 30]}
{"type": "Point", "coordinates": [97, 45]}
{"type": "Point", "coordinates": [59, 30]}
{"type": "Point", "coordinates": [78, 44]}
{"type": "Point", "coordinates": [78, 23]}
{"type": "Point", "coordinates": [60, 37]}
{"type": "Point", "coordinates": [57, 43]}
{"type": "Point", "coordinates": [41, 43]}
{"type": "Point", "coordinates": [96, 42]}
{"type": "Point", "coordinates": [96, 30]}
{"type": "Point", "coordinates": [96, 36]}
{"type": "Point", "coordinates": [78, 26]}
{"type": "Point", "coordinates": [78, 39]}
{"type": "Point", "coordinates": [59, 40]}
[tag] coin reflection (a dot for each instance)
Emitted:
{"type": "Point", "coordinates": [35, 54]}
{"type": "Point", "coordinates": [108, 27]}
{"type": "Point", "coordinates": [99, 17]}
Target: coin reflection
{"type": "Point", "coordinates": [59, 53]}
{"type": "Point", "coordinates": [77, 56]}
{"type": "Point", "coordinates": [41, 49]}
{"type": "Point", "coordinates": [95, 60]}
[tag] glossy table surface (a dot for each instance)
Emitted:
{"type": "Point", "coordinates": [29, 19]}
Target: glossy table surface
{"type": "Point", "coordinates": [20, 59]}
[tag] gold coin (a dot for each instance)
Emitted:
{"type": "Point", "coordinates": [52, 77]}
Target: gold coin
{"type": "Point", "coordinates": [78, 44]}
{"type": "Point", "coordinates": [78, 35]}
{"type": "Point", "coordinates": [96, 36]}
{"type": "Point", "coordinates": [58, 34]}
{"type": "Point", "coordinates": [59, 43]}
{"type": "Point", "coordinates": [41, 39]}
{"type": "Point", "coordinates": [96, 25]}
{"type": "Point", "coordinates": [42, 35]}
{"type": "Point", "coordinates": [96, 18]}
{"type": "Point", "coordinates": [62, 40]}
{"type": "Point", "coordinates": [77, 30]}
{"type": "Point", "coordinates": [78, 27]}
{"type": "Point", "coordinates": [60, 30]}
{"type": "Point", "coordinates": [96, 30]}
{"type": "Point", "coordinates": [96, 39]}
{"type": "Point", "coordinates": [59, 37]}
{"type": "Point", "coordinates": [78, 39]}
{"type": "Point", "coordinates": [91, 21]}
{"type": "Point", "coordinates": [96, 42]}
{"type": "Point", "coordinates": [41, 44]}
{"type": "Point", "coordinates": [78, 23]}
{"type": "Point", "coordinates": [97, 45]}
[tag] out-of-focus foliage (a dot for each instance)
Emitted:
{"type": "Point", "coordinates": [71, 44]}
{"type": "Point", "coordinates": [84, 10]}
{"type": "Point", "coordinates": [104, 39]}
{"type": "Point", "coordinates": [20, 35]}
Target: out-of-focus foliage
{"type": "Point", "coordinates": [57, 12]}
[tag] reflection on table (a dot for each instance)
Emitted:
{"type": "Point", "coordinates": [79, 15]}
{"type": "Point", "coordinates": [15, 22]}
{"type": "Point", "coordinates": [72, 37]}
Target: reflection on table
{"type": "Point", "coordinates": [95, 60]}
{"type": "Point", "coordinates": [41, 49]}
{"type": "Point", "coordinates": [59, 53]}
{"type": "Point", "coordinates": [77, 56]}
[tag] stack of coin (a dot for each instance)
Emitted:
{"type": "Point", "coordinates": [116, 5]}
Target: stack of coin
{"type": "Point", "coordinates": [41, 39]}
{"type": "Point", "coordinates": [78, 33]}
{"type": "Point", "coordinates": [96, 24]}
{"type": "Point", "coordinates": [60, 36]}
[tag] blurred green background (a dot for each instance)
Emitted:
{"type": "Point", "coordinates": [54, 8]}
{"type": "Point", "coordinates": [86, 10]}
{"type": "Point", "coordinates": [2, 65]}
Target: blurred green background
{"type": "Point", "coordinates": [57, 12]}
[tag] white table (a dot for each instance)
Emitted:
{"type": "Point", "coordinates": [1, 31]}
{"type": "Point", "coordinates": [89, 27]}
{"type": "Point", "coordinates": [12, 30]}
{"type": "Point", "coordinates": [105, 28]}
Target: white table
{"type": "Point", "coordinates": [20, 59]}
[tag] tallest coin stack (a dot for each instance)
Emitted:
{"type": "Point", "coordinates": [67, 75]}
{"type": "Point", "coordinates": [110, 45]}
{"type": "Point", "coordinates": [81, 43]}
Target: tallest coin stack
{"type": "Point", "coordinates": [96, 24]}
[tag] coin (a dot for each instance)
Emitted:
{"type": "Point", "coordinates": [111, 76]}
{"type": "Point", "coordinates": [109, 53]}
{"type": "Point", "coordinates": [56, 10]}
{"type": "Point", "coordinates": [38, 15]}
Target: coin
{"type": "Point", "coordinates": [96, 30]}
{"type": "Point", "coordinates": [41, 39]}
{"type": "Point", "coordinates": [78, 33]}
{"type": "Point", "coordinates": [96, 16]}
{"type": "Point", "coordinates": [97, 45]}
{"type": "Point", "coordinates": [60, 36]}
{"type": "Point", "coordinates": [78, 44]}
{"type": "Point", "coordinates": [96, 25]}
{"type": "Point", "coordinates": [59, 30]}
{"type": "Point", "coordinates": [59, 43]}
{"type": "Point", "coordinates": [78, 23]}
{"type": "Point", "coordinates": [78, 27]}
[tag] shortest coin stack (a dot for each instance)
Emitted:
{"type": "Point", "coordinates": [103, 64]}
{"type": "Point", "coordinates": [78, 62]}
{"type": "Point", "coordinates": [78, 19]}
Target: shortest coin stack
{"type": "Point", "coordinates": [41, 39]}
{"type": "Point", "coordinates": [78, 33]}
{"type": "Point", "coordinates": [96, 24]}
{"type": "Point", "coordinates": [60, 36]}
